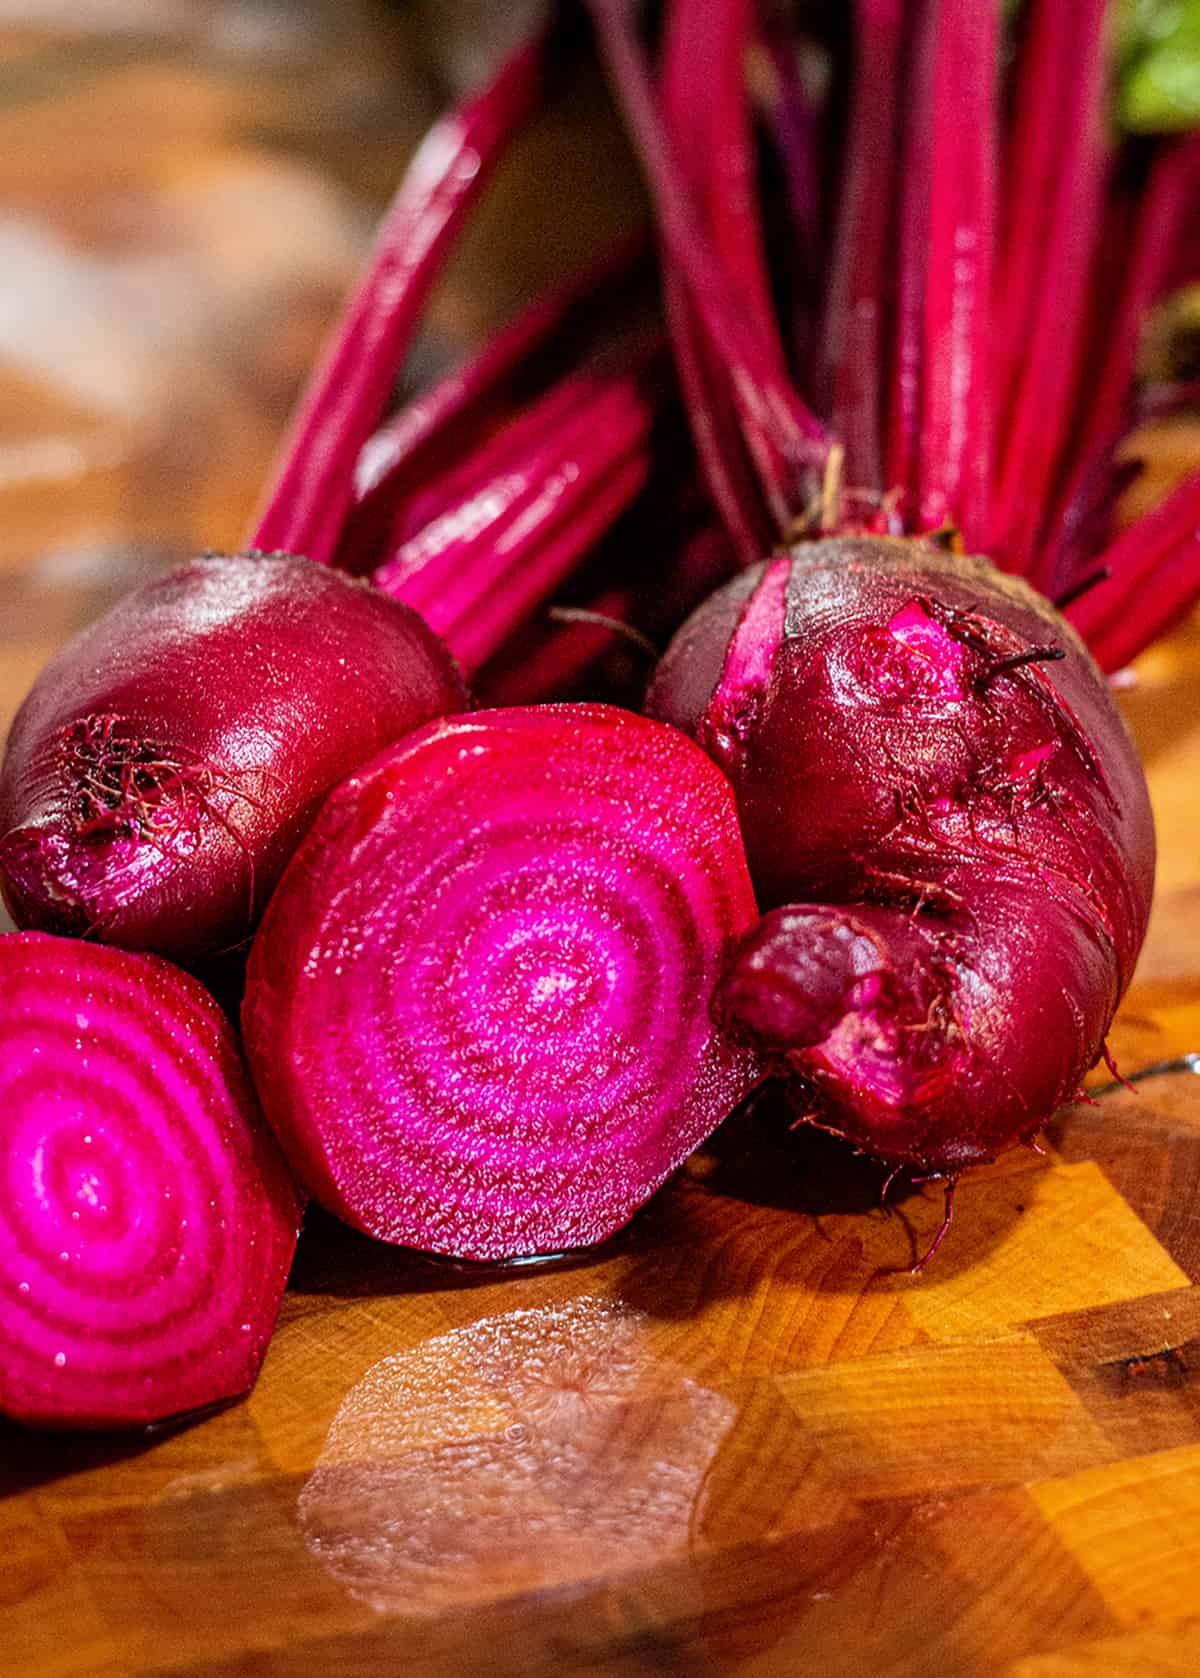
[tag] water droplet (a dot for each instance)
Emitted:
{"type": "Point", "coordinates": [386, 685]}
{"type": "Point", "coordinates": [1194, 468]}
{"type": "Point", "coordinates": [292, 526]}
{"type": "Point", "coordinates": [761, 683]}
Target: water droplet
{"type": "Point", "coordinates": [60, 1359]}
{"type": "Point", "coordinates": [246, 1328]}
{"type": "Point", "coordinates": [22, 1287]}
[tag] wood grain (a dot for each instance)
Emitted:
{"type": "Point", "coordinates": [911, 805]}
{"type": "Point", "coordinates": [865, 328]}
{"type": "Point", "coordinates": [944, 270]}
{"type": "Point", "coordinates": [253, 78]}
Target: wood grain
{"type": "Point", "coordinates": [734, 1440]}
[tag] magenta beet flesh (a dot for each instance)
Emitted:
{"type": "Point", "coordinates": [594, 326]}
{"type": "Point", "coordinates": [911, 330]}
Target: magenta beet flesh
{"type": "Point", "coordinates": [954, 847]}
{"type": "Point", "coordinates": [147, 1217]}
{"type": "Point", "coordinates": [168, 760]}
{"type": "Point", "coordinates": [478, 1008]}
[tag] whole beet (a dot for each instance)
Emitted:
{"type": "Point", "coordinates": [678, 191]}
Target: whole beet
{"type": "Point", "coordinates": [948, 828]}
{"type": "Point", "coordinates": [169, 759]}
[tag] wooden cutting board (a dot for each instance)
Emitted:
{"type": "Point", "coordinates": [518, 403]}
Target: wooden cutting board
{"type": "Point", "coordinates": [731, 1441]}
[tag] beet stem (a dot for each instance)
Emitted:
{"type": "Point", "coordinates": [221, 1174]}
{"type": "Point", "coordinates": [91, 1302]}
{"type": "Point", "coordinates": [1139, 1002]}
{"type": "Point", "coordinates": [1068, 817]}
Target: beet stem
{"type": "Point", "coordinates": [955, 453]}
{"type": "Point", "coordinates": [1167, 207]}
{"type": "Point", "coordinates": [1155, 572]}
{"type": "Point", "coordinates": [314, 483]}
{"type": "Point", "coordinates": [441, 425]}
{"type": "Point", "coordinates": [906, 372]}
{"type": "Point", "coordinates": [852, 335]}
{"type": "Point", "coordinates": [1055, 179]}
{"type": "Point", "coordinates": [507, 527]}
{"type": "Point", "coordinates": [785, 440]}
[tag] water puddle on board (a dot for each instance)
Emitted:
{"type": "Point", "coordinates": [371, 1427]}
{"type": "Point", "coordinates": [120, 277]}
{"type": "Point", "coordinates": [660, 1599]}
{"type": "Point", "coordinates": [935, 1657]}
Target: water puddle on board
{"type": "Point", "coordinates": [528, 1451]}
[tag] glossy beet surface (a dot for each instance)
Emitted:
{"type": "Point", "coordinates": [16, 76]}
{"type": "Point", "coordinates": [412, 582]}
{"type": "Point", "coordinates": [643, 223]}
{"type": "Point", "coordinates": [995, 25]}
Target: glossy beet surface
{"type": "Point", "coordinates": [147, 1218]}
{"type": "Point", "coordinates": [478, 1008]}
{"type": "Point", "coordinates": [168, 760]}
{"type": "Point", "coordinates": [955, 848]}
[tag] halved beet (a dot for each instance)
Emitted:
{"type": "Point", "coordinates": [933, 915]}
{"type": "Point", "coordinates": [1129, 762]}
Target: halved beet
{"type": "Point", "coordinates": [147, 1217]}
{"type": "Point", "coordinates": [478, 1005]}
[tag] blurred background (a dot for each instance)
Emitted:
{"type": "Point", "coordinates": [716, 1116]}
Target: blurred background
{"type": "Point", "coordinates": [187, 187]}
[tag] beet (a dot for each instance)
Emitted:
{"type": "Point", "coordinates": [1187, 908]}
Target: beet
{"type": "Point", "coordinates": [168, 760]}
{"type": "Point", "coordinates": [478, 1007]}
{"type": "Point", "coordinates": [947, 823]}
{"type": "Point", "coordinates": [147, 1220]}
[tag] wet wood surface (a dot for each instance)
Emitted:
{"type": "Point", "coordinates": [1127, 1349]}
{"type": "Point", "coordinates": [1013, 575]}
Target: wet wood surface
{"type": "Point", "coordinates": [734, 1440]}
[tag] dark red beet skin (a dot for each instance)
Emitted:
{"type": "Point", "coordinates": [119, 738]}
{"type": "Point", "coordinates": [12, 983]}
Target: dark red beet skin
{"type": "Point", "coordinates": [478, 1009]}
{"type": "Point", "coordinates": [955, 849]}
{"type": "Point", "coordinates": [168, 760]}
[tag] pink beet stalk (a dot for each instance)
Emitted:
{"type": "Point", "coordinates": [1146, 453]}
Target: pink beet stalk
{"type": "Point", "coordinates": [784, 439]}
{"type": "Point", "coordinates": [168, 759]}
{"type": "Point", "coordinates": [1056, 177]}
{"type": "Point", "coordinates": [795, 118]}
{"type": "Point", "coordinates": [456, 416]}
{"type": "Point", "coordinates": [147, 1220]}
{"type": "Point", "coordinates": [314, 486]}
{"type": "Point", "coordinates": [505, 529]}
{"type": "Point", "coordinates": [552, 659]}
{"type": "Point", "coordinates": [955, 456]}
{"type": "Point", "coordinates": [1154, 576]}
{"type": "Point", "coordinates": [705, 116]}
{"type": "Point", "coordinates": [1153, 245]}
{"type": "Point", "coordinates": [853, 331]}
{"type": "Point", "coordinates": [907, 362]}
{"type": "Point", "coordinates": [707, 119]}
{"type": "Point", "coordinates": [728, 469]}
{"type": "Point", "coordinates": [533, 576]}
{"type": "Point", "coordinates": [478, 1006]}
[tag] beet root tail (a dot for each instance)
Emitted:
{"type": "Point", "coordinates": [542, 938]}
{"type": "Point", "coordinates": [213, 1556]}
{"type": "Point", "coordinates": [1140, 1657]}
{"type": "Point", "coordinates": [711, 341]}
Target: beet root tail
{"type": "Point", "coordinates": [931, 1037]}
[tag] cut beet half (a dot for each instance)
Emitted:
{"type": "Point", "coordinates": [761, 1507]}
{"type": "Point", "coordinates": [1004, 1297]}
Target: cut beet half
{"type": "Point", "coordinates": [147, 1217]}
{"type": "Point", "coordinates": [478, 1008]}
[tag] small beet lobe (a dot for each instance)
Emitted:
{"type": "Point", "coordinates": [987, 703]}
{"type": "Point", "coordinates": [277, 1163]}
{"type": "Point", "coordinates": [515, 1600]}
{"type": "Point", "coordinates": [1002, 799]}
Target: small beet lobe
{"type": "Point", "coordinates": [169, 759]}
{"type": "Point", "coordinates": [955, 869]}
{"type": "Point", "coordinates": [147, 1217]}
{"type": "Point", "coordinates": [479, 1006]}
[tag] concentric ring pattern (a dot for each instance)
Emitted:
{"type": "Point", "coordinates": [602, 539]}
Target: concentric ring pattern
{"type": "Point", "coordinates": [496, 952]}
{"type": "Point", "coordinates": [147, 1220]}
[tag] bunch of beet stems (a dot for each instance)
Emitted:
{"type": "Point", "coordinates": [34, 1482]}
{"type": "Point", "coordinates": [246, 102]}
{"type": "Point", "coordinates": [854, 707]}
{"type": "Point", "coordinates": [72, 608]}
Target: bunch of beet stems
{"type": "Point", "coordinates": [478, 500]}
{"type": "Point", "coordinates": [982, 381]}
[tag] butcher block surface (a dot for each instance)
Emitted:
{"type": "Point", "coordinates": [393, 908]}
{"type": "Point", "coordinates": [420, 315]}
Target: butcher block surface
{"type": "Point", "coordinates": [740, 1438]}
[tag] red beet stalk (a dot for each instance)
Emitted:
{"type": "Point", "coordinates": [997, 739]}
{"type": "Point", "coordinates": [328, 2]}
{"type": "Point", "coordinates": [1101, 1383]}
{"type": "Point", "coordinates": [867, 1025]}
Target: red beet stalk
{"type": "Point", "coordinates": [1153, 246]}
{"type": "Point", "coordinates": [956, 410]}
{"type": "Point", "coordinates": [1056, 174]}
{"type": "Point", "coordinates": [1154, 576]}
{"type": "Point", "coordinates": [314, 486]}
{"type": "Point", "coordinates": [783, 439]}
{"type": "Point", "coordinates": [456, 416]}
{"type": "Point", "coordinates": [795, 117]}
{"type": "Point", "coordinates": [854, 329]}
{"type": "Point", "coordinates": [477, 553]}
